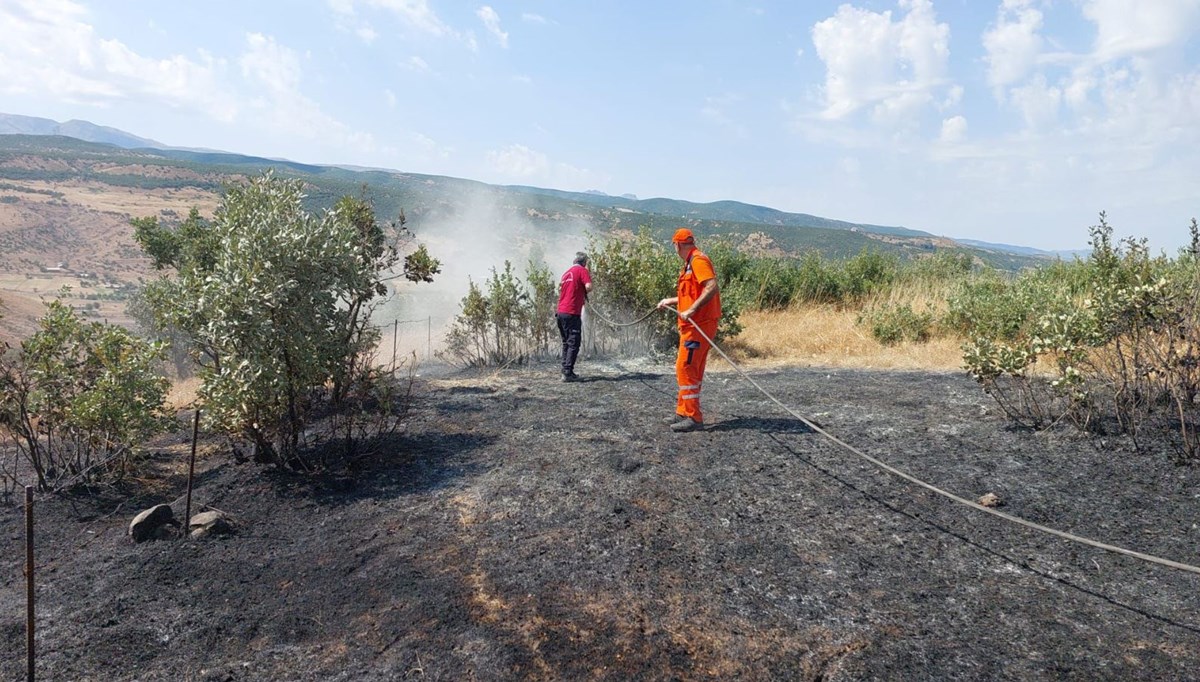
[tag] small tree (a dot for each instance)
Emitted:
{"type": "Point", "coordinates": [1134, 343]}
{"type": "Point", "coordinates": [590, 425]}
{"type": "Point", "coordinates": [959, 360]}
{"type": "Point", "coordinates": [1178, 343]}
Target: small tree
{"type": "Point", "coordinates": [506, 321]}
{"type": "Point", "coordinates": [276, 304]}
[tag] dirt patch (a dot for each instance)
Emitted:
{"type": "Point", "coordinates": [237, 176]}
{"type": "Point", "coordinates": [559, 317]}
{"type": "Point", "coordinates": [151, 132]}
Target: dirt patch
{"type": "Point", "coordinates": [523, 528]}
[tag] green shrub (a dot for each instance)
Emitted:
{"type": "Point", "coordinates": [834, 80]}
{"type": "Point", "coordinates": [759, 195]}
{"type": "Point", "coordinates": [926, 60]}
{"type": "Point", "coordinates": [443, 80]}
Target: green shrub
{"type": "Point", "coordinates": [275, 304]}
{"type": "Point", "coordinates": [630, 277]}
{"type": "Point", "coordinates": [79, 397]}
{"type": "Point", "coordinates": [892, 324]}
{"type": "Point", "coordinates": [1113, 343]}
{"type": "Point", "coordinates": [507, 321]}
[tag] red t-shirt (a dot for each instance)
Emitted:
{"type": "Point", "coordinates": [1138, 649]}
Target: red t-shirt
{"type": "Point", "coordinates": [572, 290]}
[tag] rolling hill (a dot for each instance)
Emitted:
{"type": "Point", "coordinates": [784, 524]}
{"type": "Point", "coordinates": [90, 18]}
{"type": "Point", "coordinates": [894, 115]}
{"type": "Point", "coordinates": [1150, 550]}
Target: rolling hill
{"type": "Point", "coordinates": [65, 205]}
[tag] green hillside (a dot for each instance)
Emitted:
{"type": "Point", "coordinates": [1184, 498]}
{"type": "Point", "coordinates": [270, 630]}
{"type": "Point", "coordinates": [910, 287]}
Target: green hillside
{"type": "Point", "coordinates": [430, 200]}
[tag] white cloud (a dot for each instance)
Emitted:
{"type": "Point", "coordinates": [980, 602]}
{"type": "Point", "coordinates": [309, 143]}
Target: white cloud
{"type": "Point", "coordinates": [1012, 44]}
{"type": "Point", "coordinates": [1038, 102]}
{"type": "Point", "coordinates": [275, 72]}
{"type": "Point", "coordinates": [415, 13]}
{"type": "Point", "coordinates": [954, 130]}
{"type": "Point", "coordinates": [48, 48]}
{"type": "Point", "coordinates": [532, 18]}
{"type": "Point", "coordinates": [269, 63]}
{"type": "Point", "coordinates": [1125, 28]}
{"type": "Point", "coordinates": [894, 67]}
{"type": "Point", "coordinates": [491, 21]}
{"type": "Point", "coordinates": [367, 33]}
{"type": "Point", "coordinates": [518, 163]}
{"type": "Point", "coordinates": [415, 63]}
{"type": "Point", "coordinates": [1128, 79]}
{"type": "Point", "coordinates": [953, 98]}
{"type": "Point", "coordinates": [390, 98]}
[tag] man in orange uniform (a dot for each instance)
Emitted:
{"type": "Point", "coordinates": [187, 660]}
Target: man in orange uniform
{"type": "Point", "coordinates": [699, 304]}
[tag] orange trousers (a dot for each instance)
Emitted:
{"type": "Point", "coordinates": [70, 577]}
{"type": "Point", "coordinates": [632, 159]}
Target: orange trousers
{"type": "Point", "coordinates": [689, 367]}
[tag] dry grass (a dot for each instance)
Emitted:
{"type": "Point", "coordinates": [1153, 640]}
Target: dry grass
{"type": "Point", "coordinates": [827, 336]}
{"type": "Point", "coordinates": [183, 393]}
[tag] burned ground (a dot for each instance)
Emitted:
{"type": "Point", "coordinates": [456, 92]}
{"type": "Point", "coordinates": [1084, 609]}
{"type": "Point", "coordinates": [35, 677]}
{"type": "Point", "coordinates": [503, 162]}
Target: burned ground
{"type": "Point", "coordinates": [521, 528]}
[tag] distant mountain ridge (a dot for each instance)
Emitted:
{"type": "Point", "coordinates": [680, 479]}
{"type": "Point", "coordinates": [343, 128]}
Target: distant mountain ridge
{"type": "Point", "coordinates": [1025, 250]}
{"type": "Point", "coordinates": [11, 124]}
{"type": "Point", "coordinates": [792, 232]}
{"type": "Point", "coordinates": [726, 210]}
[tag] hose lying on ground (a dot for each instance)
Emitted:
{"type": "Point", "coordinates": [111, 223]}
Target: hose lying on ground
{"type": "Point", "coordinates": [912, 479]}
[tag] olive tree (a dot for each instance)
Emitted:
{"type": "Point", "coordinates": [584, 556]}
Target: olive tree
{"type": "Point", "coordinates": [275, 302]}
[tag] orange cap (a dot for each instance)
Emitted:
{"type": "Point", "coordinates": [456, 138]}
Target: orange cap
{"type": "Point", "coordinates": [683, 236]}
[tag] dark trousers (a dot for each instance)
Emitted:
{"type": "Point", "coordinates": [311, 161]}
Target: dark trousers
{"type": "Point", "coordinates": [570, 327]}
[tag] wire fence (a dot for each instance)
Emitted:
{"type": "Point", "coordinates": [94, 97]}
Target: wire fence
{"type": "Point", "coordinates": [395, 327]}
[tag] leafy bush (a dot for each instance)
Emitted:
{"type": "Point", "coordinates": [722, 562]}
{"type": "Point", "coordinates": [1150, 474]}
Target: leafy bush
{"type": "Point", "coordinates": [633, 275]}
{"type": "Point", "coordinates": [891, 324]}
{"type": "Point", "coordinates": [1113, 343]}
{"type": "Point", "coordinates": [630, 277]}
{"type": "Point", "coordinates": [78, 397]}
{"type": "Point", "coordinates": [275, 304]}
{"type": "Point", "coordinates": [508, 321]}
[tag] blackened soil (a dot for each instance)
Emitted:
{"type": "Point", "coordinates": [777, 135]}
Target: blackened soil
{"type": "Point", "coordinates": [522, 528]}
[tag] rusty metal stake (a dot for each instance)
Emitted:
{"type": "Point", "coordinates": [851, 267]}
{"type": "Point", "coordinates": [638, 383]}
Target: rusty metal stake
{"type": "Point", "coordinates": [187, 514]}
{"type": "Point", "coordinates": [29, 591]}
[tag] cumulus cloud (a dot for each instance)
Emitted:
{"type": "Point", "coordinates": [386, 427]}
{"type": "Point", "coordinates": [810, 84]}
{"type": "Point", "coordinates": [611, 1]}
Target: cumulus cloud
{"type": "Point", "coordinates": [1127, 28]}
{"type": "Point", "coordinates": [491, 21]}
{"type": "Point", "coordinates": [892, 66]}
{"type": "Point", "coordinates": [1038, 102]}
{"type": "Point", "coordinates": [1126, 80]}
{"type": "Point", "coordinates": [49, 48]}
{"type": "Point", "coordinates": [954, 130]}
{"type": "Point", "coordinates": [1012, 43]}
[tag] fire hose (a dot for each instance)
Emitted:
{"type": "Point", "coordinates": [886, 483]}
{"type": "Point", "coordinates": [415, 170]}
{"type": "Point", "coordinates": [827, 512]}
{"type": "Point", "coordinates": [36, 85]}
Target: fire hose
{"type": "Point", "coordinates": [913, 479]}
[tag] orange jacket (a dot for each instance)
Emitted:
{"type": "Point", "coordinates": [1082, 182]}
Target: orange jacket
{"type": "Point", "coordinates": [697, 271]}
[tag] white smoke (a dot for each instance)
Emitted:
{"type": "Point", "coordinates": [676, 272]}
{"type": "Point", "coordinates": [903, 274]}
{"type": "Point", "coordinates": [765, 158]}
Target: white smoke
{"type": "Point", "coordinates": [477, 233]}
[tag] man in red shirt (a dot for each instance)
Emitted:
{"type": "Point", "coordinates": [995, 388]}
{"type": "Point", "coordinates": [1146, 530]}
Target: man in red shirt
{"type": "Point", "coordinates": [572, 293]}
{"type": "Point", "coordinates": [698, 301]}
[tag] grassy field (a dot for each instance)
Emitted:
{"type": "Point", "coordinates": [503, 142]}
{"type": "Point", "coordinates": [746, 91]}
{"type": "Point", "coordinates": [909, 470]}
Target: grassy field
{"type": "Point", "coordinates": [827, 336]}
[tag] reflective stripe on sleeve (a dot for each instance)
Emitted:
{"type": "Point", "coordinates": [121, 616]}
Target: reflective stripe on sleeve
{"type": "Point", "coordinates": [690, 396]}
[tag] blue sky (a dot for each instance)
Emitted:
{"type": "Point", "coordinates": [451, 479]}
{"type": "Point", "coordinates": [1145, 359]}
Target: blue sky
{"type": "Point", "coordinates": [1013, 121]}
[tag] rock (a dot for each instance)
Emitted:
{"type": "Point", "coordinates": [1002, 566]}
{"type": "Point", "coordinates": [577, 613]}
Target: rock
{"type": "Point", "coordinates": [210, 523]}
{"type": "Point", "coordinates": [151, 524]}
{"type": "Point", "coordinates": [990, 500]}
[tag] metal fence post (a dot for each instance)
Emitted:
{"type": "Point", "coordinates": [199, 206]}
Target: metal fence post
{"type": "Point", "coordinates": [29, 584]}
{"type": "Point", "coordinates": [187, 513]}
